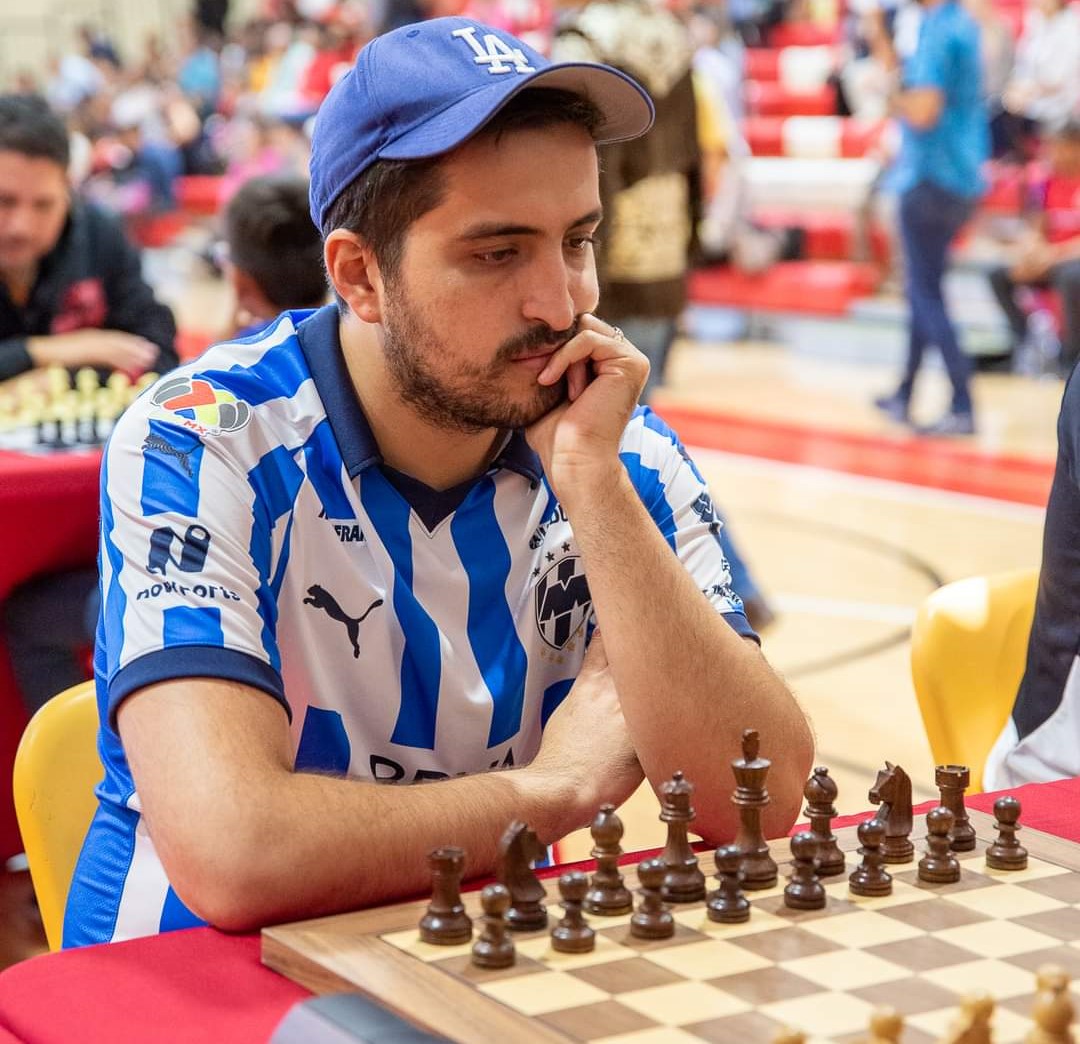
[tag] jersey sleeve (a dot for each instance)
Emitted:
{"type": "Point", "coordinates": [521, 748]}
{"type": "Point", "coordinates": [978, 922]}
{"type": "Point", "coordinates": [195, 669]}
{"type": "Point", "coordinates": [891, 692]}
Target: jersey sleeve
{"type": "Point", "coordinates": [192, 545]}
{"type": "Point", "coordinates": [929, 65]}
{"type": "Point", "coordinates": [678, 499]}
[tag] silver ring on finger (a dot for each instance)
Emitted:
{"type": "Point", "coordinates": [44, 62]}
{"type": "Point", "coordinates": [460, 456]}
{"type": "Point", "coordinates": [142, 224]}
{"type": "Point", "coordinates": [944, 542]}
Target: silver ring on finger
{"type": "Point", "coordinates": [617, 334]}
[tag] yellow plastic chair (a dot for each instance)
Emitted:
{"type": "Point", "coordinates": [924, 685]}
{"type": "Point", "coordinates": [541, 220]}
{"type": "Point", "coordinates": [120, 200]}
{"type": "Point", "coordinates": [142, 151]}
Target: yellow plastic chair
{"type": "Point", "coordinates": [968, 649]}
{"type": "Point", "coordinates": [56, 770]}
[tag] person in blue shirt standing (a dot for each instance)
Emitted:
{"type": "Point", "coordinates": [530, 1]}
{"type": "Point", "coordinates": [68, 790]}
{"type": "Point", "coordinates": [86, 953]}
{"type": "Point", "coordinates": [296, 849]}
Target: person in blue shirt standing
{"type": "Point", "coordinates": [938, 179]}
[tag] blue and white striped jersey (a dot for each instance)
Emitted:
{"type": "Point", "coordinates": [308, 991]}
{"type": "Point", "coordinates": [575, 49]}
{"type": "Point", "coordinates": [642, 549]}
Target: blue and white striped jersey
{"type": "Point", "coordinates": [249, 531]}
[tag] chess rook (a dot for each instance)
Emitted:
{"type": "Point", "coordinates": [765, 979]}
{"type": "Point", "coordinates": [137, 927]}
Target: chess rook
{"type": "Point", "coordinates": [820, 795]}
{"type": "Point", "coordinates": [728, 905]}
{"type": "Point", "coordinates": [684, 881]}
{"type": "Point", "coordinates": [446, 923]}
{"type": "Point", "coordinates": [952, 781]}
{"type": "Point", "coordinates": [607, 895]}
{"type": "Point", "coordinates": [751, 797]}
{"type": "Point", "coordinates": [939, 865]}
{"type": "Point", "coordinates": [494, 948]}
{"type": "Point", "coordinates": [1006, 853]}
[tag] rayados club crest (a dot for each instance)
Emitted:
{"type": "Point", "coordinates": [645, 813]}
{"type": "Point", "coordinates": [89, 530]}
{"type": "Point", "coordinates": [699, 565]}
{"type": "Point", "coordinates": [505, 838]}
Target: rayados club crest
{"type": "Point", "coordinates": [563, 601]}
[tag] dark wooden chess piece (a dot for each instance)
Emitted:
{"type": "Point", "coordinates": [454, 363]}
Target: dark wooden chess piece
{"type": "Point", "coordinates": [870, 877]}
{"type": "Point", "coordinates": [652, 919]}
{"type": "Point", "coordinates": [952, 781]}
{"type": "Point", "coordinates": [728, 905]}
{"type": "Point", "coordinates": [892, 791]}
{"type": "Point", "coordinates": [518, 850]}
{"type": "Point", "coordinates": [495, 946]}
{"type": "Point", "coordinates": [1006, 853]}
{"type": "Point", "coordinates": [820, 794]}
{"type": "Point", "coordinates": [939, 865]}
{"type": "Point", "coordinates": [804, 891]}
{"type": "Point", "coordinates": [607, 895]}
{"type": "Point", "coordinates": [750, 797]}
{"type": "Point", "coordinates": [446, 923]}
{"type": "Point", "coordinates": [573, 934]}
{"type": "Point", "coordinates": [684, 881]}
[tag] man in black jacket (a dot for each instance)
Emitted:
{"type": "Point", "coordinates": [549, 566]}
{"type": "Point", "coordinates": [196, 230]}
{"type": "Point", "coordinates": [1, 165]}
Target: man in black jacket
{"type": "Point", "coordinates": [71, 290]}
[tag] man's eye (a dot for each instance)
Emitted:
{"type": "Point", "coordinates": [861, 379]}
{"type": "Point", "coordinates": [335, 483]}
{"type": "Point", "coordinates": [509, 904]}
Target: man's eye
{"type": "Point", "coordinates": [581, 242]}
{"type": "Point", "coordinates": [494, 257]}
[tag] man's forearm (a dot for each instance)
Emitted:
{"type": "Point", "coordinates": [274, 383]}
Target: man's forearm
{"type": "Point", "coordinates": [687, 682]}
{"type": "Point", "coordinates": [368, 844]}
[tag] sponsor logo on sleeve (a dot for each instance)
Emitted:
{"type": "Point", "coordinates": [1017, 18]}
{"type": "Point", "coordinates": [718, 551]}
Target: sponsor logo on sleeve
{"type": "Point", "coordinates": [200, 406]}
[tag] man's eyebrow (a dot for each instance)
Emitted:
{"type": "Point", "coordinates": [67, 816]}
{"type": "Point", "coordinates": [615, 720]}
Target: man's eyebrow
{"type": "Point", "coordinates": [493, 229]}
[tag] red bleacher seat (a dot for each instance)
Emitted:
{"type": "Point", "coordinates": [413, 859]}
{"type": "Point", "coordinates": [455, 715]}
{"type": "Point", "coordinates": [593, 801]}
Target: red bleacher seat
{"type": "Point", "coordinates": [830, 234]}
{"type": "Point", "coordinates": [763, 64]}
{"type": "Point", "coordinates": [803, 34]}
{"type": "Point", "coordinates": [152, 231]}
{"type": "Point", "coordinates": [774, 99]}
{"type": "Point", "coordinates": [815, 287]}
{"type": "Point", "coordinates": [835, 136]}
{"type": "Point", "coordinates": [1006, 192]}
{"type": "Point", "coordinates": [199, 193]}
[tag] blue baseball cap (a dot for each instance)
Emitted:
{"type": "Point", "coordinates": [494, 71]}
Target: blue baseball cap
{"type": "Point", "coordinates": [423, 89]}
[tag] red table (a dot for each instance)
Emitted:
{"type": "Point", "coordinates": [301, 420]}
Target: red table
{"type": "Point", "coordinates": [48, 521]}
{"type": "Point", "coordinates": [201, 984]}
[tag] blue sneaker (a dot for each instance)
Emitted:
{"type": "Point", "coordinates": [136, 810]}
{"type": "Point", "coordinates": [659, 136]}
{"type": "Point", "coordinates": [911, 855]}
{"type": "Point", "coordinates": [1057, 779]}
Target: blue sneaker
{"type": "Point", "coordinates": [894, 406]}
{"type": "Point", "coordinates": [952, 423]}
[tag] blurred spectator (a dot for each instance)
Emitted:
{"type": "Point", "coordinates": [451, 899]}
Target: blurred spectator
{"type": "Point", "coordinates": [71, 290]}
{"type": "Point", "coordinates": [650, 187]}
{"type": "Point", "coordinates": [997, 49]}
{"type": "Point", "coordinates": [945, 139]}
{"type": "Point", "coordinates": [198, 75]}
{"type": "Point", "coordinates": [274, 252]}
{"type": "Point", "coordinates": [211, 15]}
{"type": "Point", "coordinates": [97, 46]}
{"type": "Point", "coordinates": [1049, 254]}
{"type": "Point", "coordinates": [1044, 89]}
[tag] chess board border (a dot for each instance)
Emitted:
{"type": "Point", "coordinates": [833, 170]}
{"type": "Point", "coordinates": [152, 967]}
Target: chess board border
{"type": "Point", "coordinates": [344, 952]}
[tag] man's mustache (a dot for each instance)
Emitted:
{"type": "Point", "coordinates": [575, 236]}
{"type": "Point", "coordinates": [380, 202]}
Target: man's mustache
{"type": "Point", "coordinates": [540, 336]}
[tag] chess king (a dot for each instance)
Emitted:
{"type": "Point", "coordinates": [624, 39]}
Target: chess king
{"type": "Point", "coordinates": [464, 406]}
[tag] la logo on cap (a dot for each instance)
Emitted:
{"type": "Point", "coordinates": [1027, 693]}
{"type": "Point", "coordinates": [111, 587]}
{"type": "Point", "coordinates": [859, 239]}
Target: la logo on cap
{"type": "Point", "coordinates": [495, 53]}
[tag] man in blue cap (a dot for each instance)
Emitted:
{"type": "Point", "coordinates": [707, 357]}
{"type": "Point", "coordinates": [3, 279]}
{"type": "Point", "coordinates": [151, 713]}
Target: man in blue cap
{"type": "Point", "coordinates": [372, 544]}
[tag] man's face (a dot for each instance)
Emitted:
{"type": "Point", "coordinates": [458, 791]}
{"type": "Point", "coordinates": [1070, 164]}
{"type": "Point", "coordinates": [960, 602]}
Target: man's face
{"type": "Point", "coordinates": [33, 209]}
{"type": "Point", "coordinates": [494, 279]}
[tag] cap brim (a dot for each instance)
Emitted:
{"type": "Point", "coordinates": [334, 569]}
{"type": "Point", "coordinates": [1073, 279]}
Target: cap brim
{"type": "Point", "coordinates": [625, 105]}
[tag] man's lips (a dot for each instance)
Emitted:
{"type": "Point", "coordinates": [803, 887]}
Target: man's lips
{"type": "Point", "coordinates": [535, 361]}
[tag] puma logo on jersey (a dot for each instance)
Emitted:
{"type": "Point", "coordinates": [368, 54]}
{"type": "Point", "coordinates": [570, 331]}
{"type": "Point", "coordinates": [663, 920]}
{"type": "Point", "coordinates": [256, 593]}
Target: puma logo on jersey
{"type": "Point", "coordinates": [494, 52]}
{"type": "Point", "coordinates": [322, 599]}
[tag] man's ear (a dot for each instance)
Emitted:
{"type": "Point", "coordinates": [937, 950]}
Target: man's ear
{"type": "Point", "coordinates": [355, 274]}
{"type": "Point", "coordinates": [250, 299]}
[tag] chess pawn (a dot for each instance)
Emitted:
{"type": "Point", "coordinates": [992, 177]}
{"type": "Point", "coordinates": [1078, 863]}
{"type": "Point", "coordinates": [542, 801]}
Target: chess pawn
{"type": "Point", "coordinates": [820, 793]}
{"type": "Point", "coordinates": [786, 1035]}
{"type": "Point", "coordinates": [804, 891]}
{"type": "Point", "coordinates": [1006, 853]}
{"type": "Point", "coordinates": [684, 881]}
{"type": "Point", "coordinates": [952, 781]}
{"type": "Point", "coordinates": [1053, 1010]}
{"type": "Point", "coordinates": [939, 865]}
{"type": "Point", "coordinates": [652, 919]}
{"type": "Point", "coordinates": [573, 934]}
{"type": "Point", "coordinates": [886, 1025]}
{"type": "Point", "coordinates": [751, 797]}
{"type": "Point", "coordinates": [446, 923]}
{"type": "Point", "coordinates": [495, 946]}
{"type": "Point", "coordinates": [870, 877]}
{"type": "Point", "coordinates": [728, 905]}
{"type": "Point", "coordinates": [607, 895]}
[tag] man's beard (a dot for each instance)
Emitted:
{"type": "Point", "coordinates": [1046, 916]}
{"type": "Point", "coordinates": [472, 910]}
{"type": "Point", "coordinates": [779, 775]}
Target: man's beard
{"type": "Point", "coordinates": [468, 403]}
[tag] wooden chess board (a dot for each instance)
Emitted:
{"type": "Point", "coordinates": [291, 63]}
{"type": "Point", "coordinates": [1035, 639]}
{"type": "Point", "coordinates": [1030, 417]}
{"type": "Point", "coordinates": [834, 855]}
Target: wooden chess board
{"type": "Point", "coordinates": [919, 950]}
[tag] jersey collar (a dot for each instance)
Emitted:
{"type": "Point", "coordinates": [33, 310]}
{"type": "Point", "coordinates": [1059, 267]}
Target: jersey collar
{"type": "Point", "coordinates": [321, 344]}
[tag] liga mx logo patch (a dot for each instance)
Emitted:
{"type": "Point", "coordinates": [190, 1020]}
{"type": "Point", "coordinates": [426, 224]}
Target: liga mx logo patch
{"type": "Point", "coordinates": [563, 602]}
{"type": "Point", "coordinates": [196, 404]}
